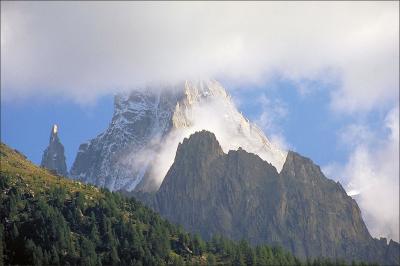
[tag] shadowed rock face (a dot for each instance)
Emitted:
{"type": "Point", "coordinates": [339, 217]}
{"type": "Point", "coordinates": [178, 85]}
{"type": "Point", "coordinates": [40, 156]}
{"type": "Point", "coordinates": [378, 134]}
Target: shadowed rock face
{"type": "Point", "coordinates": [241, 196]}
{"type": "Point", "coordinates": [53, 156]}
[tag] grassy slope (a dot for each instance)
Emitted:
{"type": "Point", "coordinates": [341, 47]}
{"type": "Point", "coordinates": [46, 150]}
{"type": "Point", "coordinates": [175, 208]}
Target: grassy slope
{"type": "Point", "coordinates": [32, 179]}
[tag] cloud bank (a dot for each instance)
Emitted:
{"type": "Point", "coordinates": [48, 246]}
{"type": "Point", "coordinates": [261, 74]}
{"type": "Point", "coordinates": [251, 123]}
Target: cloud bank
{"type": "Point", "coordinates": [81, 50]}
{"type": "Point", "coordinates": [372, 174]}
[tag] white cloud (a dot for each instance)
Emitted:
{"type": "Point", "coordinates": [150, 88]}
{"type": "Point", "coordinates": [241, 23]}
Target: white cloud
{"type": "Point", "coordinates": [273, 111]}
{"type": "Point", "coordinates": [372, 174]}
{"type": "Point", "coordinates": [355, 135]}
{"type": "Point", "coordinates": [84, 49]}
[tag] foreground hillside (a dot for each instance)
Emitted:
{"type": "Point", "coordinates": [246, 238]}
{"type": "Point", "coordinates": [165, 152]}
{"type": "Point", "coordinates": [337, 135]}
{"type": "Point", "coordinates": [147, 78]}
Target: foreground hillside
{"type": "Point", "coordinates": [50, 220]}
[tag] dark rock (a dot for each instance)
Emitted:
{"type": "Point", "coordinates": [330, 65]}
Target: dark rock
{"type": "Point", "coordinates": [241, 196]}
{"type": "Point", "coordinates": [53, 156]}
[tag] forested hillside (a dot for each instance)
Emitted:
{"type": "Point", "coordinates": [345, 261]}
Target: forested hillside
{"type": "Point", "coordinates": [49, 220]}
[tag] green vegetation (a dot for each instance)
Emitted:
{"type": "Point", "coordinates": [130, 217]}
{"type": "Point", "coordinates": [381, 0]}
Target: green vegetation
{"type": "Point", "coordinates": [50, 220]}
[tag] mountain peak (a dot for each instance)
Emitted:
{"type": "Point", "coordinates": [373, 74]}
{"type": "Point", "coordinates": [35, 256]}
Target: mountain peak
{"type": "Point", "coordinates": [53, 156]}
{"type": "Point", "coordinates": [196, 91]}
{"type": "Point", "coordinates": [55, 129]}
{"type": "Point", "coordinates": [202, 136]}
{"type": "Point", "coordinates": [54, 134]}
{"type": "Point", "coordinates": [201, 144]}
{"type": "Point", "coordinates": [148, 125]}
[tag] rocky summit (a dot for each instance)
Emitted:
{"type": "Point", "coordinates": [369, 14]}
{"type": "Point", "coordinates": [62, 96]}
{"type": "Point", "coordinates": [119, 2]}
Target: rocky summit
{"type": "Point", "coordinates": [137, 149]}
{"type": "Point", "coordinates": [241, 196]}
{"type": "Point", "coordinates": [53, 156]}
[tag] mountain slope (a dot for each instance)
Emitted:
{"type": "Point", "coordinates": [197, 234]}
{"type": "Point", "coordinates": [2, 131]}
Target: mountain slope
{"type": "Point", "coordinates": [138, 147]}
{"type": "Point", "coordinates": [241, 196]}
{"type": "Point", "coordinates": [50, 220]}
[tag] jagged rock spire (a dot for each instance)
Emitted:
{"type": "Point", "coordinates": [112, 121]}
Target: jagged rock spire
{"type": "Point", "coordinates": [53, 156]}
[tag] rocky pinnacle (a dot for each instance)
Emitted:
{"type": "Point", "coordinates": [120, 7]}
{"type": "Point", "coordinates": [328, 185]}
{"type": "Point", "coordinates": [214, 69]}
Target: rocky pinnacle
{"type": "Point", "coordinates": [53, 156]}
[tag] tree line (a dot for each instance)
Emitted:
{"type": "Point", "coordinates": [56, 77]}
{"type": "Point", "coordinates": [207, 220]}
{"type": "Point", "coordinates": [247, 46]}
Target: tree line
{"type": "Point", "coordinates": [60, 228]}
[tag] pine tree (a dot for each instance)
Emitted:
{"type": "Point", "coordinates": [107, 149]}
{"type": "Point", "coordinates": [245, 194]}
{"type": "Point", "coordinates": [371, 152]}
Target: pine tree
{"type": "Point", "coordinates": [211, 260]}
{"type": "Point", "coordinates": [55, 259]}
{"type": "Point", "coordinates": [1, 244]}
{"type": "Point", "coordinates": [38, 256]}
{"type": "Point", "coordinates": [114, 259]}
{"type": "Point", "coordinates": [94, 233]}
{"type": "Point", "coordinates": [13, 210]}
{"type": "Point", "coordinates": [88, 252]}
{"type": "Point", "coordinates": [199, 245]}
{"type": "Point", "coordinates": [15, 232]}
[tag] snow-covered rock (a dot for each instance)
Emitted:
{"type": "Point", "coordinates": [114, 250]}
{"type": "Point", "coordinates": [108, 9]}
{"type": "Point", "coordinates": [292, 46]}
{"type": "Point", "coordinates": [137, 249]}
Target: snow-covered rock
{"type": "Point", "coordinates": [139, 145]}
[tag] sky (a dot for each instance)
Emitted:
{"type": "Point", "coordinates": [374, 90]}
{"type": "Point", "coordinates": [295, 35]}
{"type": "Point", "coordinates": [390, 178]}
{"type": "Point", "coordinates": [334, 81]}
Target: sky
{"type": "Point", "coordinates": [320, 78]}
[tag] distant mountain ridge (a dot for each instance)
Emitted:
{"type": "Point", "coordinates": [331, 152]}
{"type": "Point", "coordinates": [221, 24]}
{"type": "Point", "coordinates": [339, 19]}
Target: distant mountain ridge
{"type": "Point", "coordinates": [240, 196]}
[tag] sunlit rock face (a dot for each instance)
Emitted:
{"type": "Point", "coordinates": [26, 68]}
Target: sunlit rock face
{"type": "Point", "coordinates": [139, 146]}
{"type": "Point", "coordinates": [53, 156]}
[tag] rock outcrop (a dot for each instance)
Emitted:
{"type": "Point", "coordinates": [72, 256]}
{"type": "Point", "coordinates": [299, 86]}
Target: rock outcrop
{"type": "Point", "coordinates": [241, 196]}
{"type": "Point", "coordinates": [53, 156]}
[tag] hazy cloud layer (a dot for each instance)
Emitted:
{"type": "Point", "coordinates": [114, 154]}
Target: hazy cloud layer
{"type": "Point", "coordinates": [84, 49]}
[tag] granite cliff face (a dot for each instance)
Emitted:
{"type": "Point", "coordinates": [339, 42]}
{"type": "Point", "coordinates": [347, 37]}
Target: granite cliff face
{"type": "Point", "coordinates": [239, 195]}
{"type": "Point", "coordinates": [108, 160]}
{"type": "Point", "coordinates": [53, 156]}
{"type": "Point", "coordinates": [138, 147]}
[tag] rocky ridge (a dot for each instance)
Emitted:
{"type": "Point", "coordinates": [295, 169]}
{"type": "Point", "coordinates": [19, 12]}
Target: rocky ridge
{"type": "Point", "coordinates": [138, 147]}
{"type": "Point", "coordinates": [241, 196]}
